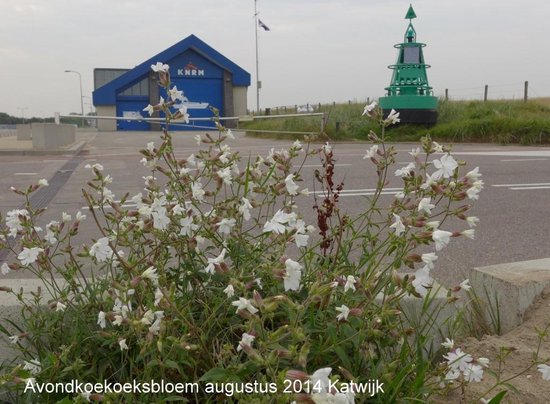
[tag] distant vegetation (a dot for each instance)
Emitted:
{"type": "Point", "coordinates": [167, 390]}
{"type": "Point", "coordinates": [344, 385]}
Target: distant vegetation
{"type": "Point", "coordinates": [6, 119]}
{"type": "Point", "coordinates": [503, 121]}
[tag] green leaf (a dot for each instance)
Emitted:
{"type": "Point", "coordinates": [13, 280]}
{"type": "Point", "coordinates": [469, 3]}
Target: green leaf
{"type": "Point", "coordinates": [218, 375]}
{"type": "Point", "coordinates": [498, 398]}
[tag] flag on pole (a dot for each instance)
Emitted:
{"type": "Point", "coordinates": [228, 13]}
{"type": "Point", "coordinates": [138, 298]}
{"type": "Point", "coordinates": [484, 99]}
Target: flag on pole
{"type": "Point", "coordinates": [262, 25]}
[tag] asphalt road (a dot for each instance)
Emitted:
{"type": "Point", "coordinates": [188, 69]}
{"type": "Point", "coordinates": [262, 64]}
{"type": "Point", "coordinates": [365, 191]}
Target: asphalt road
{"type": "Point", "coordinates": [513, 208]}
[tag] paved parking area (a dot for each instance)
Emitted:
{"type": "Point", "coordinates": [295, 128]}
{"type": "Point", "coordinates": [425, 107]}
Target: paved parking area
{"type": "Point", "coordinates": [513, 207]}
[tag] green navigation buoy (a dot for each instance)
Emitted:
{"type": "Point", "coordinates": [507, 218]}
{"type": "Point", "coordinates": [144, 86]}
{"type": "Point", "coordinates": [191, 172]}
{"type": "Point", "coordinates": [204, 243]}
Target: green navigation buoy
{"type": "Point", "coordinates": [409, 92]}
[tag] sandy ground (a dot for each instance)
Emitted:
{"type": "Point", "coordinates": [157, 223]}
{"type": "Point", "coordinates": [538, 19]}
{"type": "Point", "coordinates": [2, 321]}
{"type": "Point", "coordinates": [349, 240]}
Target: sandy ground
{"type": "Point", "coordinates": [521, 343]}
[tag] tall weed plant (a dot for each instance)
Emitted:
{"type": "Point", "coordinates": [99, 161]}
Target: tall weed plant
{"type": "Point", "coordinates": [214, 288]}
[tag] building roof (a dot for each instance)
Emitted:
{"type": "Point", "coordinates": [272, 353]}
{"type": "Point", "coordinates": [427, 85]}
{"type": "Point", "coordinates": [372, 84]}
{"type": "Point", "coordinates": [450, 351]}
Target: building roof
{"type": "Point", "coordinates": [106, 95]}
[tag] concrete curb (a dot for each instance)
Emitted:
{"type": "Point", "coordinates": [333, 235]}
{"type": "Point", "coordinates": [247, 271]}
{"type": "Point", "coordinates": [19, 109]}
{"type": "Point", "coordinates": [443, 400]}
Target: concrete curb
{"type": "Point", "coordinates": [511, 288]}
{"type": "Point", "coordinates": [73, 150]}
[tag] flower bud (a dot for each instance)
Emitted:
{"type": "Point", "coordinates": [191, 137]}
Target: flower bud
{"type": "Point", "coordinates": [293, 374]}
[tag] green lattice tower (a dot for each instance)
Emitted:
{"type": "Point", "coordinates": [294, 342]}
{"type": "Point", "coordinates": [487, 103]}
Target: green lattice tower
{"type": "Point", "coordinates": [409, 92]}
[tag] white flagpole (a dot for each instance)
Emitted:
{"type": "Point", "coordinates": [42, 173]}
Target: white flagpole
{"type": "Point", "coordinates": [257, 64]}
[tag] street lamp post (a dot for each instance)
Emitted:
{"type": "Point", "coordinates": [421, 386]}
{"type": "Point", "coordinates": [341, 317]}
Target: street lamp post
{"type": "Point", "coordinates": [22, 109]}
{"type": "Point", "coordinates": [81, 97]}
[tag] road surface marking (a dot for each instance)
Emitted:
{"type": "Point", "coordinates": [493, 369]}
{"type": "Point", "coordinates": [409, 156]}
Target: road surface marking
{"type": "Point", "coordinates": [24, 174]}
{"type": "Point", "coordinates": [523, 185]}
{"type": "Point", "coordinates": [521, 188]}
{"type": "Point", "coordinates": [525, 160]}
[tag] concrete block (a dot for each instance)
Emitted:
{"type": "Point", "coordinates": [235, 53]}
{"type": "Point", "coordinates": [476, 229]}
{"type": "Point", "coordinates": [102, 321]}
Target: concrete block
{"type": "Point", "coordinates": [511, 288]}
{"type": "Point", "coordinates": [24, 131]}
{"type": "Point", "coordinates": [432, 317]}
{"type": "Point", "coordinates": [46, 136]}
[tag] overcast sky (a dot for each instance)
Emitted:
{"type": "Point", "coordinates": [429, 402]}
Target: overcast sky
{"type": "Point", "coordinates": [316, 50]}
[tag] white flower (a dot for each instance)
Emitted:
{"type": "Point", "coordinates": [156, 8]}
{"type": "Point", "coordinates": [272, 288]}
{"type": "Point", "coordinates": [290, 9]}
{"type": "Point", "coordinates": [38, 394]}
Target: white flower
{"type": "Point", "coordinates": [449, 343]}
{"type": "Point", "coordinates": [14, 339]}
{"type": "Point", "coordinates": [437, 147]}
{"type": "Point", "coordinates": [441, 238]}
{"type": "Point", "coordinates": [293, 275]}
{"type": "Point", "coordinates": [320, 379]}
{"type": "Point", "coordinates": [150, 147]}
{"type": "Point", "coordinates": [415, 152]}
{"type": "Point", "coordinates": [244, 304]}
{"type": "Point", "coordinates": [101, 249]}
{"type": "Point", "coordinates": [29, 255]}
{"type": "Point", "coordinates": [483, 362]}
{"type": "Point", "coordinates": [458, 360]}
{"type": "Point", "coordinates": [33, 366]}
{"type": "Point", "coordinates": [225, 226]}
{"type": "Point", "coordinates": [159, 67]}
{"type": "Point", "coordinates": [60, 306]}
{"type": "Point", "coordinates": [187, 226]}
{"type": "Point", "coordinates": [160, 219]}
{"type": "Point", "coordinates": [244, 209]}
{"type": "Point", "coordinates": [433, 225]}
{"type": "Point", "coordinates": [80, 217]}
{"type": "Point", "coordinates": [350, 283]}
{"type": "Point", "coordinates": [369, 109]}
{"type": "Point", "coordinates": [13, 222]}
{"type": "Point", "coordinates": [122, 344]}
{"type": "Point", "coordinates": [101, 319]}
{"type": "Point", "coordinates": [405, 171]}
{"type": "Point", "coordinates": [473, 373]}
{"type": "Point", "coordinates": [398, 225]}
{"type": "Point", "coordinates": [65, 217]}
{"type": "Point", "coordinates": [392, 118]}
{"type": "Point", "coordinates": [198, 140]}
{"type": "Point", "coordinates": [473, 193]}
{"type": "Point", "coordinates": [429, 259]}
{"type": "Point", "coordinates": [291, 186]}
{"type": "Point", "coordinates": [151, 274]}
{"type": "Point", "coordinates": [225, 175]}
{"type": "Point", "coordinates": [371, 152]}
{"type": "Point", "coordinates": [470, 233]}
{"type": "Point", "coordinates": [297, 145]}
{"type": "Point", "coordinates": [5, 269]}
{"type": "Point", "coordinates": [465, 284]}
{"type": "Point", "coordinates": [474, 175]}
{"type": "Point", "coordinates": [472, 221]}
{"type": "Point", "coordinates": [276, 224]}
{"type": "Point", "coordinates": [344, 312]}
{"type": "Point", "coordinates": [545, 370]}
{"type": "Point", "coordinates": [96, 166]}
{"type": "Point", "coordinates": [149, 109]}
{"type": "Point", "coordinates": [327, 147]}
{"type": "Point", "coordinates": [212, 262]}
{"type": "Point", "coordinates": [246, 340]}
{"type": "Point", "coordinates": [426, 205]}
{"type": "Point", "coordinates": [446, 166]}
{"type": "Point", "coordinates": [430, 180]}
{"type": "Point", "coordinates": [229, 291]}
{"type": "Point", "coordinates": [158, 296]}
{"type": "Point", "coordinates": [198, 192]}
{"type": "Point", "coordinates": [43, 182]}
{"type": "Point", "coordinates": [230, 134]}
{"type": "Point", "coordinates": [184, 114]}
{"type": "Point", "coordinates": [175, 94]}
{"type": "Point", "coordinates": [155, 327]}
{"type": "Point", "coordinates": [422, 280]}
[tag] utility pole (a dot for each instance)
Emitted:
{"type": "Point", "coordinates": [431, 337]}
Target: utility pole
{"type": "Point", "coordinates": [258, 82]}
{"type": "Point", "coordinates": [22, 109]}
{"type": "Point", "coordinates": [81, 97]}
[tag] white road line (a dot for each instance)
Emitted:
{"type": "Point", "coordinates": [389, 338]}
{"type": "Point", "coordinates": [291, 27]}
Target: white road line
{"type": "Point", "coordinates": [523, 185]}
{"type": "Point", "coordinates": [368, 190]}
{"type": "Point", "coordinates": [524, 160]}
{"type": "Point", "coordinates": [24, 174]}
{"type": "Point", "coordinates": [521, 188]}
{"type": "Point", "coordinates": [319, 165]}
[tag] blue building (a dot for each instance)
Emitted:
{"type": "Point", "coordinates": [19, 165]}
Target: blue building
{"type": "Point", "coordinates": [207, 78]}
